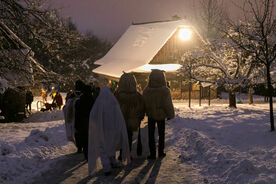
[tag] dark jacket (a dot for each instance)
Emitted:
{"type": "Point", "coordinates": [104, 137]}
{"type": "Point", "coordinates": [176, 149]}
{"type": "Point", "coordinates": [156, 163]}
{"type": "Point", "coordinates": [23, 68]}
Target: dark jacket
{"type": "Point", "coordinates": [83, 107]}
{"type": "Point", "coordinates": [58, 99]}
{"type": "Point", "coordinates": [157, 97]}
{"type": "Point", "coordinates": [29, 97]}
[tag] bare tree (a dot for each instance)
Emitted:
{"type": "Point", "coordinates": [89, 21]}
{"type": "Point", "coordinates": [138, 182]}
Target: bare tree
{"type": "Point", "coordinates": [222, 63]}
{"type": "Point", "coordinates": [256, 34]}
{"type": "Point", "coordinates": [210, 14]}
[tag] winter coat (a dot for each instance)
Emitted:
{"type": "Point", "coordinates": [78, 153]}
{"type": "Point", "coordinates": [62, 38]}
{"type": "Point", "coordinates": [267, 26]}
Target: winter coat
{"type": "Point", "coordinates": [29, 97]}
{"type": "Point", "coordinates": [131, 102]}
{"type": "Point", "coordinates": [82, 110]}
{"type": "Point", "coordinates": [157, 97]}
{"type": "Point", "coordinates": [69, 115]}
{"type": "Point", "coordinates": [58, 99]}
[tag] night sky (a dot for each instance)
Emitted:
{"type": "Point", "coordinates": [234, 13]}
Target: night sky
{"type": "Point", "coordinates": [108, 19]}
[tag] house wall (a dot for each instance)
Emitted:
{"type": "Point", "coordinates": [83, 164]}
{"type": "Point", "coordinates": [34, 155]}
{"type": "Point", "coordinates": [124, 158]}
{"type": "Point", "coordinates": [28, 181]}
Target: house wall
{"type": "Point", "coordinates": [174, 49]}
{"type": "Point", "coordinates": [171, 53]}
{"type": "Point", "coordinates": [178, 90]}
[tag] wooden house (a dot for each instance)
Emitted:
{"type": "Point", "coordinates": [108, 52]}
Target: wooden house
{"type": "Point", "coordinates": [154, 45]}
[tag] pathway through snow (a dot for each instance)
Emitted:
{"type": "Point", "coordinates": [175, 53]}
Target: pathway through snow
{"type": "Point", "coordinates": [72, 168]}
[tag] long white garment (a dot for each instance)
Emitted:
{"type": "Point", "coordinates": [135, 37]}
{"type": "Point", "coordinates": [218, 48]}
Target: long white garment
{"type": "Point", "coordinates": [69, 117]}
{"type": "Point", "coordinates": [107, 131]}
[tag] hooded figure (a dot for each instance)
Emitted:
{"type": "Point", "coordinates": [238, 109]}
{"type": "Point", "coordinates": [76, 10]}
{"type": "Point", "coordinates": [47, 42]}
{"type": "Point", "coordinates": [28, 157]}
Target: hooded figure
{"type": "Point", "coordinates": [69, 113]}
{"type": "Point", "coordinates": [83, 107]}
{"type": "Point", "coordinates": [131, 103]}
{"type": "Point", "coordinates": [157, 98]}
{"type": "Point", "coordinates": [107, 133]}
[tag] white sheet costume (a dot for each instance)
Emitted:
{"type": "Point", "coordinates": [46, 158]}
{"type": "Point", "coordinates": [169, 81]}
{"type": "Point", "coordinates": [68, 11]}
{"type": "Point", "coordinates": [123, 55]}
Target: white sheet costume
{"type": "Point", "coordinates": [69, 117]}
{"type": "Point", "coordinates": [107, 133]}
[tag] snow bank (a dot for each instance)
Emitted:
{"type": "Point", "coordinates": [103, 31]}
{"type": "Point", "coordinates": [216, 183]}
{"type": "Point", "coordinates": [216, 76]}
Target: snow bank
{"type": "Point", "coordinates": [208, 138]}
{"type": "Point", "coordinates": [27, 149]}
{"type": "Point", "coordinates": [214, 144]}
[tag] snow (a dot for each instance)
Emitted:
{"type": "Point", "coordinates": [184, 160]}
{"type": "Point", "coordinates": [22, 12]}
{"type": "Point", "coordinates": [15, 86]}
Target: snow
{"type": "Point", "coordinates": [204, 144]}
{"type": "Point", "coordinates": [137, 47]}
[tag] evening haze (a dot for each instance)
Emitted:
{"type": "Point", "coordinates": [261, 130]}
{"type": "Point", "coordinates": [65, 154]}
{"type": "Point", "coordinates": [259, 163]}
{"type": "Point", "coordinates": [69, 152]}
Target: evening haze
{"type": "Point", "coordinates": [108, 19]}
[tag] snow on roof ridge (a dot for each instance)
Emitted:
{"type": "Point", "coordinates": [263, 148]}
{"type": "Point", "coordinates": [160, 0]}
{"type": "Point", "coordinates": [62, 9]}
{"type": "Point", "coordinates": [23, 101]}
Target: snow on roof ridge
{"type": "Point", "coordinates": [157, 21]}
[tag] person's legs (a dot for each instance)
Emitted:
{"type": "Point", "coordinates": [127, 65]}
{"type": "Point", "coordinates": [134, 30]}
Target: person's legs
{"type": "Point", "coordinates": [161, 133]}
{"type": "Point", "coordinates": [151, 129]}
{"type": "Point", "coordinates": [105, 163]}
{"type": "Point", "coordinates": [85, 146]}
{"type": "Point", "coordinates": [130, 134]}
{"type": "Point", "coordinates": [78, 141]}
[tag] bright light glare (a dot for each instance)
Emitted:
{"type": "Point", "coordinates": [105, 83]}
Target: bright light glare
{"type": "Point", "coordinates": [185, 34]}
{"type": "Point", "coordinates": [165, 67]}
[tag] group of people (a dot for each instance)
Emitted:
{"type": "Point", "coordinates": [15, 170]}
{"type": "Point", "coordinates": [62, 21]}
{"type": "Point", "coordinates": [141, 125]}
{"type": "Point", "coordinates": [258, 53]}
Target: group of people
{"type": "Point", "coordinates": [57, 100]}
{"type": "Point", "coordinates": [101, 122]}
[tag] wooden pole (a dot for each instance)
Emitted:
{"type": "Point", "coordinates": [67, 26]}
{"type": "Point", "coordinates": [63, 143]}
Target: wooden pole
{"type": "Point", "coordinates": [190, 91]}
{"type": "Point", "coordinates": [181, 88]}
{"type": "Point", "coordinates": [200, 89]}
{"type": "Point", "coordinates": [209, 95]}
{"type": "Point", "coordinates": [250, 97]}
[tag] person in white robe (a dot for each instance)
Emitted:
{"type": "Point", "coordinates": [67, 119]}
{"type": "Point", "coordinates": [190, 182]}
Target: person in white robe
{"type": "Point", "coordinates": [69, 111]}
{"type": "Point", "coordinates": [107, 133]}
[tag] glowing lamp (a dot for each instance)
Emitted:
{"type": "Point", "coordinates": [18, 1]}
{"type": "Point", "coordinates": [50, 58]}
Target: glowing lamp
{"type": "Point", "coordinates": [185, 34]}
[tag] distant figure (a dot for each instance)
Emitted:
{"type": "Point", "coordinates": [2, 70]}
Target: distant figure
{"type": "Point", "coordinates": [132, 105]}
{"type": "Point", "coordinates": [69, 114]}
{"type": "Point", "coordinates": [159, 107]}
{"type": "Point", "coordinates": [29, 100]}
{"type": "Point", "coordinates": [107, 133]}
{"type": "Point", "coordinates": [95, 89]}
{"type": "Point", "coordinates": [53, 93]}
{"type": "Point", "coordinates": [58, 100]}
{"type": "Point", "coordinates": [44, 95]}
{"type": "Point", "coordinates": [69, 95]}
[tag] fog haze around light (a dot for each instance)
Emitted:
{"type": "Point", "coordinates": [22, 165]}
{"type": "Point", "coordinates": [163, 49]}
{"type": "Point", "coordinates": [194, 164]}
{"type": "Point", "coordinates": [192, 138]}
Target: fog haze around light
{"type": "Point", "coordinates": [108, 19]}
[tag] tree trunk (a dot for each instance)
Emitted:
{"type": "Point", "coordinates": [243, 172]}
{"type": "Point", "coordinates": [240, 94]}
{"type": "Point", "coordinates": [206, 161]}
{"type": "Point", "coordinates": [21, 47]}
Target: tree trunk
{"type": "Point", "coordinates": [209, 95]}
{"type": "Point", "coordinates": [250, 97]}
{"type": "Point", "coordinates": [270, 94]}
{"type": "Point", "coordinates": [200, 91]}
{"type": "Point", "coordinates": [190, 91]}
{"type": "Point", "coordinates": [232, 99]}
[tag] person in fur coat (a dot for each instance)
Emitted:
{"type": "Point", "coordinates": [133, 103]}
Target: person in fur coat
{"type": "Point", "coordinates": [159, 107]}
{"type": "Point", "coordinates": [131, 104]}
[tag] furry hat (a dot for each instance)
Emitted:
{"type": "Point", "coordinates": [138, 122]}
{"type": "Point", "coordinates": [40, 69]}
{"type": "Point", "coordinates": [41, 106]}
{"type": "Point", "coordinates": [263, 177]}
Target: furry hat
{"type": "Point", "coordinates": [157, 78]}
{"type": "Point", "coordinates": [127, 83]}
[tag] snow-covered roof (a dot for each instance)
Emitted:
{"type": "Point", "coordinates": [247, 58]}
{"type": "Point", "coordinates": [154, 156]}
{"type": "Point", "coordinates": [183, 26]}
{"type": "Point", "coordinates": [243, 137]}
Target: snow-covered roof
{"type": "Point", "coordinates": [137, 47]}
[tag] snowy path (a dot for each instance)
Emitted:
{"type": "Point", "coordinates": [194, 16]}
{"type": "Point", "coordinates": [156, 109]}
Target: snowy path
{"type": "Point", "coordinates": [72, 168]}
{"type": "Point", "coordinates": [204, 145]}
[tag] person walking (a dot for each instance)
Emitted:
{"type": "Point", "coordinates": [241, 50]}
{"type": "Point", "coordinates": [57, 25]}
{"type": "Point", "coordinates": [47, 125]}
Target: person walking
{"type": "Point", "coordinates": [107, 133]}
{"type": "Point", "coordinates": [44, 95]}
{"type": "Point", "coordinates": [131, 104]}
{"type": "Point", "coordinates": [82, 111]}
{"type": "Point", "coordinates": [159, 107]}
{"type": "Point", "coordinates": [58, 100]}
{"type": "Point", "coordinates": [29, 100]}
{"type": "Point", "coordinates": [69, 115]}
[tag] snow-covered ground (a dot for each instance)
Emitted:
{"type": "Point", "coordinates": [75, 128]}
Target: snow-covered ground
{"type": "Point", "coordinates": [216, 144]}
